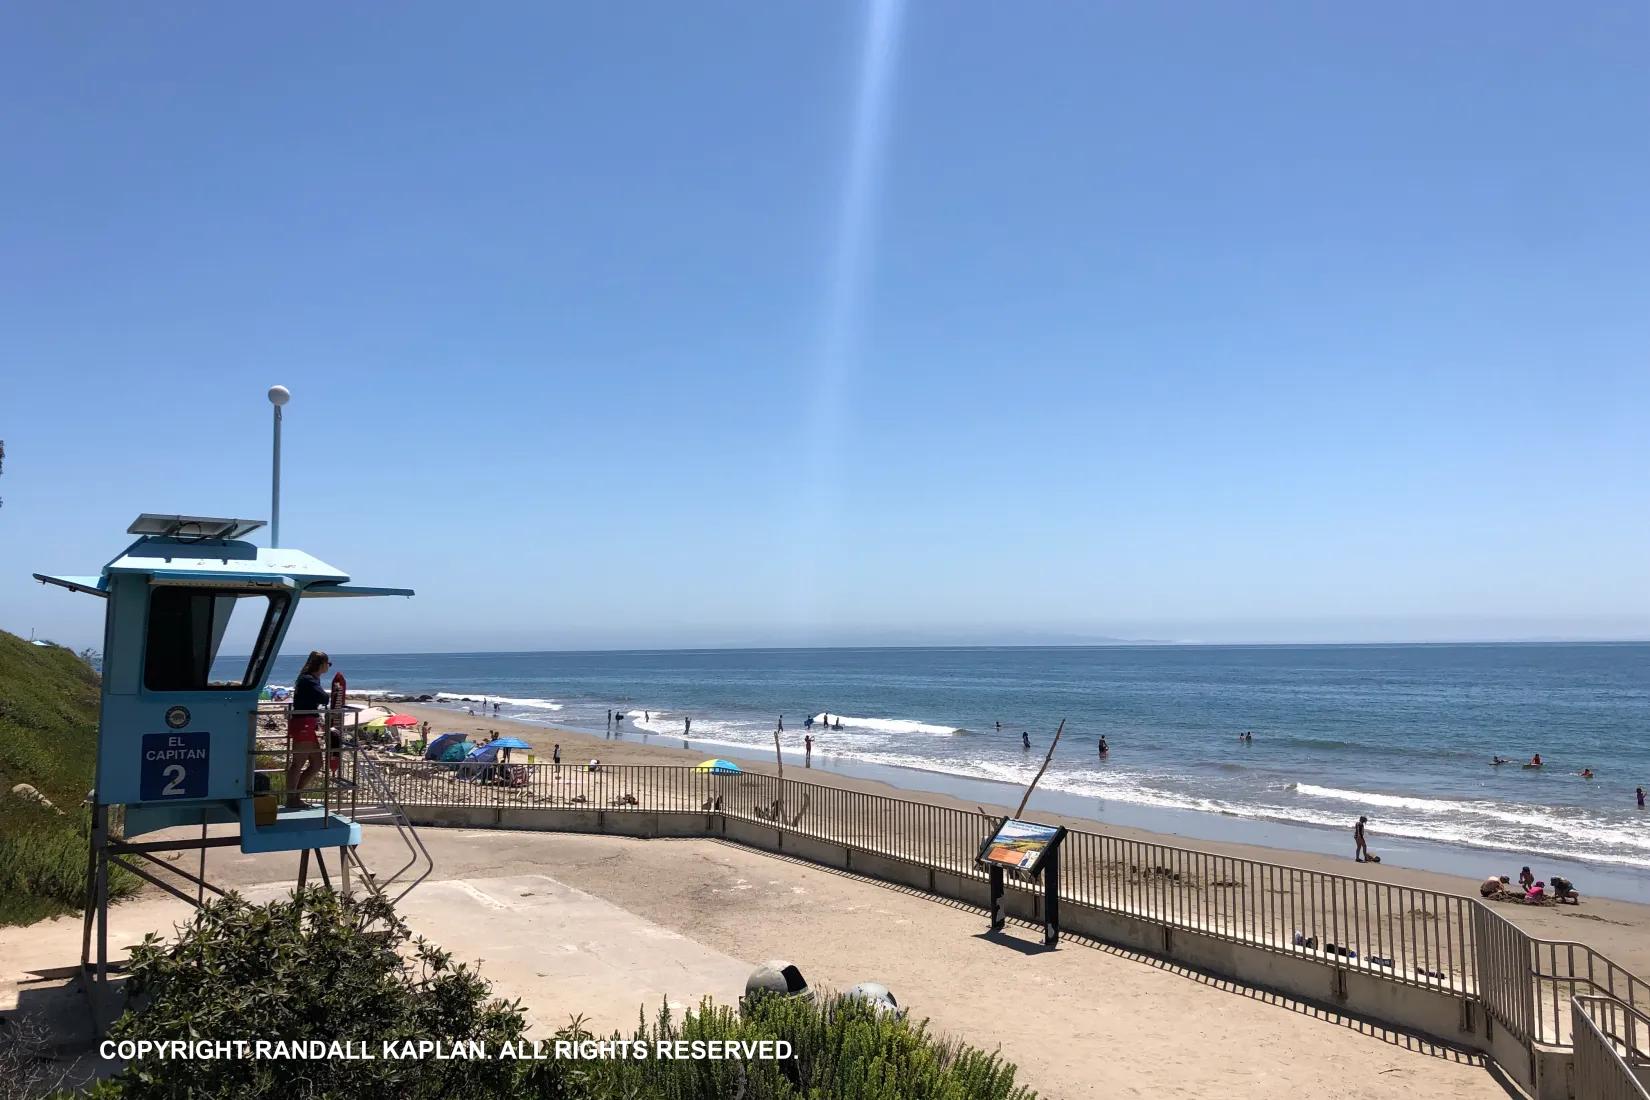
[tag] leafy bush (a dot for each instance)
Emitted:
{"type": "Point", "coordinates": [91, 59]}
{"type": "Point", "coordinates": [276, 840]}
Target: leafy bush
{"type": "Point", "coordinates": [319, 967]}
{"type": "Point", "coordinates": [312, 967]}
{"type": "Point", "coordinates": [839, 1049]}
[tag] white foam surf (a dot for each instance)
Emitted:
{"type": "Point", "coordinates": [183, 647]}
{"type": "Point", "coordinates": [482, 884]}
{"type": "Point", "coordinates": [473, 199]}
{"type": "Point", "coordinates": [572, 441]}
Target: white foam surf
{"type": "Point", "coordinates": [884, 725]}
{"type": "Point", "coordinates": [502, 700]}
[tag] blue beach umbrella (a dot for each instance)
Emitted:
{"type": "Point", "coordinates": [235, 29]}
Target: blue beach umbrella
{"type": "Point", "coordinates": [509, 743]}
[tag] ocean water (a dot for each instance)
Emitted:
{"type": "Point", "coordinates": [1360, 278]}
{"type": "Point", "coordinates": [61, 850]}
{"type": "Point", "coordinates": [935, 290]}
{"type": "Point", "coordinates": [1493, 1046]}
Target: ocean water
{"type": "Point", "coordinates": [1404, 734]}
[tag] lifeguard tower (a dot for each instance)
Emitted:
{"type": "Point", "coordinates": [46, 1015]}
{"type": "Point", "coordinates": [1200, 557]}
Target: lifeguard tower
{"type": "Point", "coordinates": [180, 725]}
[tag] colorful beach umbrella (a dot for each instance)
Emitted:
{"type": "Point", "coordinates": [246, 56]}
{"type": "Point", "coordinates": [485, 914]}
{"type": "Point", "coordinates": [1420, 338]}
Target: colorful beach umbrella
{"type": "Point", "coordinates": [718, 767]}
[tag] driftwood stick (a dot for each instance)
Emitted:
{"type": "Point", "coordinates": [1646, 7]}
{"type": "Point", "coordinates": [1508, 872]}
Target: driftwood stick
{"type": "Point", "coordinates": [1041, 770]}
{"type": "Point", "coordinates": [779, 758]}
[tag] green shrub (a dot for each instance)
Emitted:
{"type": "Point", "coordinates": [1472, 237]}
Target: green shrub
{"type": "Point", "coordinates": [840, 1050]}
{"type": "Point", "coordinates": [312, 967]}
{"type": "Point", "coordinates": [318, 967]}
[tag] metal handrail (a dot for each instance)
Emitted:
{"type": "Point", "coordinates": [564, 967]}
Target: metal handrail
{"type": "Point", "coordinates": [1612, 1061]}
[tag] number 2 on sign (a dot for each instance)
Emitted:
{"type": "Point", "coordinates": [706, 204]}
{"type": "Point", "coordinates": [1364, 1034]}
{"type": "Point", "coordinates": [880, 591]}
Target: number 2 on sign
{"type": "Point", "coordinates": [174, 772]}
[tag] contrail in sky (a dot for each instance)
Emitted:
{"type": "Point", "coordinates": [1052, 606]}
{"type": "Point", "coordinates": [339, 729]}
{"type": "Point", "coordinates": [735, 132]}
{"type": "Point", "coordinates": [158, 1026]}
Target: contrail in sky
{"type": "Point", "coordinates": [848, 280]}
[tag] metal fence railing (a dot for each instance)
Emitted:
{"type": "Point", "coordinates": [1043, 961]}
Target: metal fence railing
{"type": "Point", "coordinates": [1612, 1049]}
{"type": "Point", "coordinates": [1506, 982]}
{"type": "Point", "coordinates": [1413, 936]}
{"type": "Point", "coordinates": [1409, 935]}
{"type": "Point", "coordinates": [1563, 970]}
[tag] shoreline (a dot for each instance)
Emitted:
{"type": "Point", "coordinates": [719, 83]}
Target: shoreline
{"type": "Point", "coordinates": [1595, 877]}
{"type": "Point", "coordinates": [1619, 928]}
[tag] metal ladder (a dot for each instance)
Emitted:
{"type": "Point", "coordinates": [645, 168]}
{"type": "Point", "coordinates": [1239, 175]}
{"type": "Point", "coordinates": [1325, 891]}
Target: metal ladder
{"type": "Point", "coordinates": [377, 805]}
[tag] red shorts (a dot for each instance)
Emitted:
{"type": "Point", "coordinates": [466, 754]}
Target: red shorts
{"type": "Point", "coordinates": [304, 732]}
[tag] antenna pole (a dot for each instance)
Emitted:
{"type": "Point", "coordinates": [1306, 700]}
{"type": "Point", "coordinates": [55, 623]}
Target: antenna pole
{"type": "Point", "coordinates": [278, 396]}
{"type": "Point", "coordinates": [275, 487]}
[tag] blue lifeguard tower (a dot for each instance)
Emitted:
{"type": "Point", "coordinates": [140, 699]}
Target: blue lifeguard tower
{"type": "Point", "coordinates": [180, 724]}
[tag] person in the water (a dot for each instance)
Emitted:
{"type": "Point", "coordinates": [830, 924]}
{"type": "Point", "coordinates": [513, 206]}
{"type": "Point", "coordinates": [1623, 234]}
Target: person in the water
{"type": "Point", "coordinates": [1025, 739]}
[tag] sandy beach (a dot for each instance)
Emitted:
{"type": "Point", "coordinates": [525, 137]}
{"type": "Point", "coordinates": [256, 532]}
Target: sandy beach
{"type": "Point", "coordinates": [1619, 929]}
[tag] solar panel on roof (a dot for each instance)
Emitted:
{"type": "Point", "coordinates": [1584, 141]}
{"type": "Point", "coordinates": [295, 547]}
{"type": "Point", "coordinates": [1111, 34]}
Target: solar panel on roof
{"type": "Point", "coordinates": [192, 527]}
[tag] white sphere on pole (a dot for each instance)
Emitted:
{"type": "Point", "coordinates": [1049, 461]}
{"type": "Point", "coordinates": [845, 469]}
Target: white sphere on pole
{"type": "Point", "coordinates": [279, 395]}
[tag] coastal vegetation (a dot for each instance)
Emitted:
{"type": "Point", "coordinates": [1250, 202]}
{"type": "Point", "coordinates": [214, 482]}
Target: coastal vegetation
{"type": "Point", "coordinates": [48, 743]}
{"type": "Point", "coordinates": [315, 966]}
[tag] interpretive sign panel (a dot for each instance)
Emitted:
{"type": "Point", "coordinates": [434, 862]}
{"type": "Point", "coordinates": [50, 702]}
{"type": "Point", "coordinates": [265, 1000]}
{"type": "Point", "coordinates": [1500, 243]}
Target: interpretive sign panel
{"type": "Point", "coordinates": [174, 766]}
{"type": "Point", "coordinates": [1021, 845]}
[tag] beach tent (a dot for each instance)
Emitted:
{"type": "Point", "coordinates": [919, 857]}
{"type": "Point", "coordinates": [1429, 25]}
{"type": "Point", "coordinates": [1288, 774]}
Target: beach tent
{"type": "Point", "coordinates": [717, 767]}
{"type": "Point", "coordinates": [440, 744]}
{"type": "Point", "coordinates": [456, 751]}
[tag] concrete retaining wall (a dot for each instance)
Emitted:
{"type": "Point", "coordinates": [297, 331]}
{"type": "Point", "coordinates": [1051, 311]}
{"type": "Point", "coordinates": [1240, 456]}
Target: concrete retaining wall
{"type": "Point", "coordinates": [1450, 1017]}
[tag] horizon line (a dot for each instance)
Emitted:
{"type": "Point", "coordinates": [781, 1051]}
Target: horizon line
{"type": "Point", "coordinates": [1014, 645]}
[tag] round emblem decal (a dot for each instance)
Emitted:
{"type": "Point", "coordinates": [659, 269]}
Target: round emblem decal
{"type": "Point", "coordinates": [177, 717]}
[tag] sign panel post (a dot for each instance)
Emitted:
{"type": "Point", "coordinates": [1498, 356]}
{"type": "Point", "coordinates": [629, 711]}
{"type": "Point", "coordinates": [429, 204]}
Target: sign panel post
{"type": "Point", "coordinates": [1030, 849]}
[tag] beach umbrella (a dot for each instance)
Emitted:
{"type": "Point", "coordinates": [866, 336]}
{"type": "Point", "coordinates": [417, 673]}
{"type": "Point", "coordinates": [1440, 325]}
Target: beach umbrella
{"type": "Point", "coordinates": [398, 720]}
{"type": "Point", "coordinates": [375, 724]}
{"type": "Point", "coordinates": [509, 743]}
{"type": "Point", "coordinates": [718, 767]}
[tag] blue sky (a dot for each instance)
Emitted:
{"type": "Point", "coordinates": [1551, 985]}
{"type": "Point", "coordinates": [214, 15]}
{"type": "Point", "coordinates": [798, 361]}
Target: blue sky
{"type": "Point", "coordinates": [653, 325]}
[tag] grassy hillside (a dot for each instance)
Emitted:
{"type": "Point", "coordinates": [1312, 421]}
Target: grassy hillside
{"type": "Point", "coordinates": [48, 739]}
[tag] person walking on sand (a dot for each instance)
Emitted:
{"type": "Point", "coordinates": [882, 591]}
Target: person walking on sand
{"type": "Point", "coordinates": [1362, 855]}
{"type": "Point", "coordinates": [555, 759]}
{"type": "Point", "coordinates": [808, 758]}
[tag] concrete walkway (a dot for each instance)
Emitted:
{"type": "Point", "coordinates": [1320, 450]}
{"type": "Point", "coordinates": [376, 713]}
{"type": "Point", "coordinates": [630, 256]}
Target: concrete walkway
{"type": "Point", "coordinates": [607, 926]}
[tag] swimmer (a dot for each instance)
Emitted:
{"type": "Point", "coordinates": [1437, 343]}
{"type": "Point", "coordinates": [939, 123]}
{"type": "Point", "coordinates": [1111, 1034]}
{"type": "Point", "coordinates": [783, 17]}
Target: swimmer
{"type": "Point", "coordinates": [1585, 773]}
{"type": "Point", "coordinates": [1104, 748]}
{"type": "Point", "coordinates": [1535, 761]}
{"type": "Point", "coordinates": [1500, 760]}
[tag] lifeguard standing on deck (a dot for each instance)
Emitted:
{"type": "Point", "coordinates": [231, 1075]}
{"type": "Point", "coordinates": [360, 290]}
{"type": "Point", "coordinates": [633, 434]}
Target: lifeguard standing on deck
{"type": "Point", "coordinates": [303, 727]}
